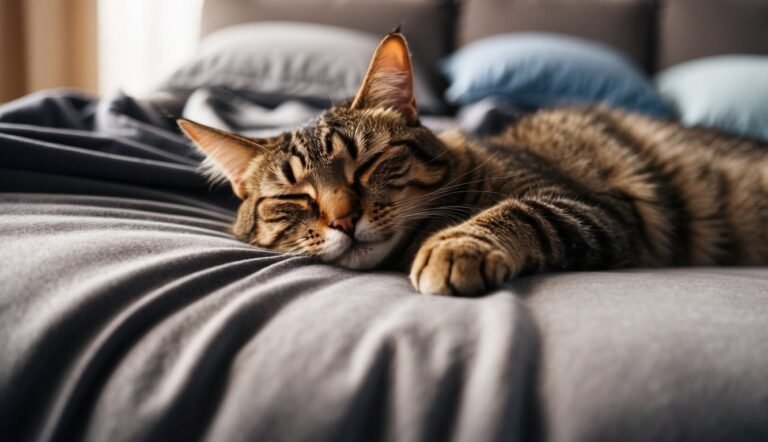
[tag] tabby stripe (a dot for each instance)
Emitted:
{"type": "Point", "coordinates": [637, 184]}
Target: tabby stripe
{"type": "Point", "coordinates": [610, 211]}
{"type": "Point", "coordinates": [476, 196]}
{"type": "Point", "coordinates": [247, 223]}
{"type": "Point", "coordinates": [279, 235]}
{"type": "Point", "coordinates": [397, 176]}
{"type": "Point", "coordinates": [542, 235]}
{"type": "Point", "coordinates": [575, 245]}
{"type": "Point", "coordinates": [667, 194]}
{"type": "Point", "coordinates": [333, 124]}
{"type": "Point", "coordinates": [329, 142]}
{"type": "Point", "coordinates": [349, 143]}
{"type": "Point", "coordinates": [640, 227]}
{"type": "Point", "coordinates": [588, 216]}
{"type": "Point", "coordinates": [368, 138]}
{"type": "Point", "coordinates": [730, 250]}
{"type": "Point", "coordinates": [479, 238]}
{"type": "Point", "coordinates": [415, 149]}
{"type": "Point", "coordinates": [367, 165]}
{"type": "Point", "coordinates": [279, 219]}
{"type": "Point", "coordinates": [288, 172]}
{"type": "Point", "coordinates": [289, 196]}
{"type": "Point", "coordinates": [422, 185]}
{"type": "Point", "coordinates": [454, 292]}
{"type": "Point", "coordinates": [679, 217]}
{"type": "Point", "coordinates": [415, 183]}
{"type": "Point", "coordinates": [302, 159]}
{"type": "Point", "coordinates": [524, 185]}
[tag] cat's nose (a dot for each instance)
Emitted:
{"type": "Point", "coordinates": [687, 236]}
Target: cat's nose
{"type": "Point", "coordinates": [345, 223]}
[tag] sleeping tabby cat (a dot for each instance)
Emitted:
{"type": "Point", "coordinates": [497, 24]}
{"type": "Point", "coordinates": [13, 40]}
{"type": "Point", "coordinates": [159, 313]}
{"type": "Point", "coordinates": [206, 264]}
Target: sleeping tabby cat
{"type": "Point", "coordinates": [365, 185]}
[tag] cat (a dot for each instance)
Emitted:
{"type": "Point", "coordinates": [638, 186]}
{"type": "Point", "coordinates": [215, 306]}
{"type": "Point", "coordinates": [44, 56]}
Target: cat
{"type": "Point", "coordinates": [365, 186]}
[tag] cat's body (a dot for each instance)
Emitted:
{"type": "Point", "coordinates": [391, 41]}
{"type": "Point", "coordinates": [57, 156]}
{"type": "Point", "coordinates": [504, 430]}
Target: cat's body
{"type": "Point", "coordinates": [365, 185]}
{"type": "Point", "coordinates": [576, 189]}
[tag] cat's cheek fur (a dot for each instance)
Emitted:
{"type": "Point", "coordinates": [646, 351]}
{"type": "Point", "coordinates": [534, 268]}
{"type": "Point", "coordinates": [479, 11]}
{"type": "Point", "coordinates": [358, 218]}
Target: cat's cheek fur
{"type": "Point", "coordinates": [335, 245]}
{"type": "Point", "coordinates": [365, 231]}
{"type": "Point", "coordinates": [368, 255]}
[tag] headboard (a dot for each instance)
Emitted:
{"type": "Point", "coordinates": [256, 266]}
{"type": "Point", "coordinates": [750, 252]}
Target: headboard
{"type": "Point", "coordinates": [654, 33]}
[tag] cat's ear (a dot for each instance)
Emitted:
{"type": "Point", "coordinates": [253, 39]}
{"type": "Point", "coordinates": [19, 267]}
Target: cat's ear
{"type": "Point", "coordinates": [389, 80]}
{"type": "Point", "coordinates": [230, 154]}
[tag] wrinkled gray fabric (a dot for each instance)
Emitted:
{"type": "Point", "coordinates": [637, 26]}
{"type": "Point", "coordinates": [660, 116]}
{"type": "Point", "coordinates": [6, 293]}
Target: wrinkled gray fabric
{"type": "Point", "coordinates": [662, 355]}
{"type": "Point", "coordinates": [131, 320]}
{"type": "Point", "coordinates": [128, 313]}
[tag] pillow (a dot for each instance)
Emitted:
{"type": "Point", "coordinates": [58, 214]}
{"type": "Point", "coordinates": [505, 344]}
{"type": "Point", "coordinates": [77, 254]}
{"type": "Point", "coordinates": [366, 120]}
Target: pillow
{"type": "Point", "coordinates": [725, 92]}
{"type": "Point", "coordinates": [537, 70]}
{"type": "Point", "coordinates": [281, 60]}
{"type": "Point", "coordinates": [428, 24]}
{"type": "Point", "coordinates": [627, 25]}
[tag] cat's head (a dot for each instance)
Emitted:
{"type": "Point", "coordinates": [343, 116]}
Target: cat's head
{"type": "Point", "coordinates": [351, 186]}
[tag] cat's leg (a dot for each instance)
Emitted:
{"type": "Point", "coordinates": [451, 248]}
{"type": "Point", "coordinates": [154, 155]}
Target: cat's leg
{"type": "Point", "coordinates": [516, 235]}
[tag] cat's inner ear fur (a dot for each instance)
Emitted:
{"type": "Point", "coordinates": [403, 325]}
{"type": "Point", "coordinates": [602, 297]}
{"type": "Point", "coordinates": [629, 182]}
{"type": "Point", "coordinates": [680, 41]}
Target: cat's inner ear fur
{"type": "Point", "coordinates": [389, 80]}
{"type": "Point", "coordinates": [227, 154]}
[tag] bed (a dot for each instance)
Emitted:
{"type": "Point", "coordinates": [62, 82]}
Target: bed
{"type": "Point", "coordinates": [127, 312]}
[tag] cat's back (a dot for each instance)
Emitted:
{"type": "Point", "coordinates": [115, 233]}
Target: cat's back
{"type": "Point", "coordinates": [715, 183]}
{"type": "Point", "coordinates": [599, 134]}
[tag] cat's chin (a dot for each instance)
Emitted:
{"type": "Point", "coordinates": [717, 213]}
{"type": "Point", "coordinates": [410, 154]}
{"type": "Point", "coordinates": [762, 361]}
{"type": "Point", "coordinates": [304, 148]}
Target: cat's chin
{"type": "Point", "coordinates": [367, 255]}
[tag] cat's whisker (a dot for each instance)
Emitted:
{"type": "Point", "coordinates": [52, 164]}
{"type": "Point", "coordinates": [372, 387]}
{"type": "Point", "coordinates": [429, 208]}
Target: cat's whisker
{"type": "Point", "coordinates": [448, 193]}
{"type": "Point", "coordinates": [443, 153]}
{"type": "Point", "coordinates": [441, 191]}
{"type": "Point", "coordinates": [491, 157]}
{"type": "Point", "coordinates": [453, 212]}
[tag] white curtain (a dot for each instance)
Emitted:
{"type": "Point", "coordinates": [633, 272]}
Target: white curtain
{"type": "Point", "coordinates": [143, 41]}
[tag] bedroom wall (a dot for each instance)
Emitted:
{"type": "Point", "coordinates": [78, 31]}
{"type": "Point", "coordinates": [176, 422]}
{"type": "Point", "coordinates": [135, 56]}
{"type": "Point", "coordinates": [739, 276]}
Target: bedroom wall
{"type": "Point", "coordinates": [47, 43]}
{"type": "Point", "coordinates": [11, 50]}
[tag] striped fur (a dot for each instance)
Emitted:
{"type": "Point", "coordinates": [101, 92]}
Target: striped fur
{"type": "Point", "coordinates": [588, 189]}
{"type": "Point", "coordinates": [561, 189]}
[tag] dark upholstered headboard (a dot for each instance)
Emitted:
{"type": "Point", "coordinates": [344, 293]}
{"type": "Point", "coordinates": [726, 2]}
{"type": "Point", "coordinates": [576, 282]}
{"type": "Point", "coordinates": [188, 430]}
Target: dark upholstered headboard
{"type": "Point", "coordinates": [692, 29]}
{"type": "Point", "coordinates": [654, 33]}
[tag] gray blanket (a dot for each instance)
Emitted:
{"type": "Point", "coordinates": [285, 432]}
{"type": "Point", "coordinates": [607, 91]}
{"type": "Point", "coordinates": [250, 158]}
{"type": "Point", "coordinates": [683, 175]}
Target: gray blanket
{"type": "Point", "coordinates": [127, 313]}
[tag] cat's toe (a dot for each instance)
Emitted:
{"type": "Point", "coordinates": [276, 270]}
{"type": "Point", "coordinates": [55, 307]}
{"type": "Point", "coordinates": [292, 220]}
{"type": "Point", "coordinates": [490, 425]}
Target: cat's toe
{"type": "Point", "coordinates": [496, 268]}
{"type": "Point", "coordinates": [458, 268]}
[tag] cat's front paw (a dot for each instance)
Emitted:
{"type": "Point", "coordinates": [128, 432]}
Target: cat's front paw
{"type": "Point", "coordinates": [461, 266]}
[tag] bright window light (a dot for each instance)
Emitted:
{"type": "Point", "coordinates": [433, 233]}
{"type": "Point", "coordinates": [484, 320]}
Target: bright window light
{"type": "Point", "coordinates": [141, 42]}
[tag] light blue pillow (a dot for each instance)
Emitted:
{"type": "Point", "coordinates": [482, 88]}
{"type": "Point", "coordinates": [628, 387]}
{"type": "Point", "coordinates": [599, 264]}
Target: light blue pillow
{"type": "Point", "coordinates": [725, 92]}
{"type": "Point", "coordinates": [538, 70]}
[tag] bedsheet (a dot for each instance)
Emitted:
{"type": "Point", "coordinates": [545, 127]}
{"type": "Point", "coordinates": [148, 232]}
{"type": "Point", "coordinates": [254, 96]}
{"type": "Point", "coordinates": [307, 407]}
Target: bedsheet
{"type": "Point", "coordinates": [128, 313]}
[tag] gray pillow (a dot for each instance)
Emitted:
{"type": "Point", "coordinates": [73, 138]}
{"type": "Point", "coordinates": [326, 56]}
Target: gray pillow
{"type": "Point", "coordinates": [283, 60]}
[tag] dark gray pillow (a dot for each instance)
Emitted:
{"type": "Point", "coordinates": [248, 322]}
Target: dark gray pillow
{"type": "Point", "coordinates": [283, 60]}
{"type": "Point", "coordinates": [428, 24]}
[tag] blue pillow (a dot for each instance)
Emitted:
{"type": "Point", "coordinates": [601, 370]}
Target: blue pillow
{"type": "Point", "coordinates": [726, 92]}
{"type": "Point", "coordinates": [538, 70]}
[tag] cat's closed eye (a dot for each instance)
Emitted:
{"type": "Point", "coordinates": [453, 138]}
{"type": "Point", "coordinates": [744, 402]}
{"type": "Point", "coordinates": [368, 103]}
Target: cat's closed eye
{"type": "Point", "coordinates": [289, 204]}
